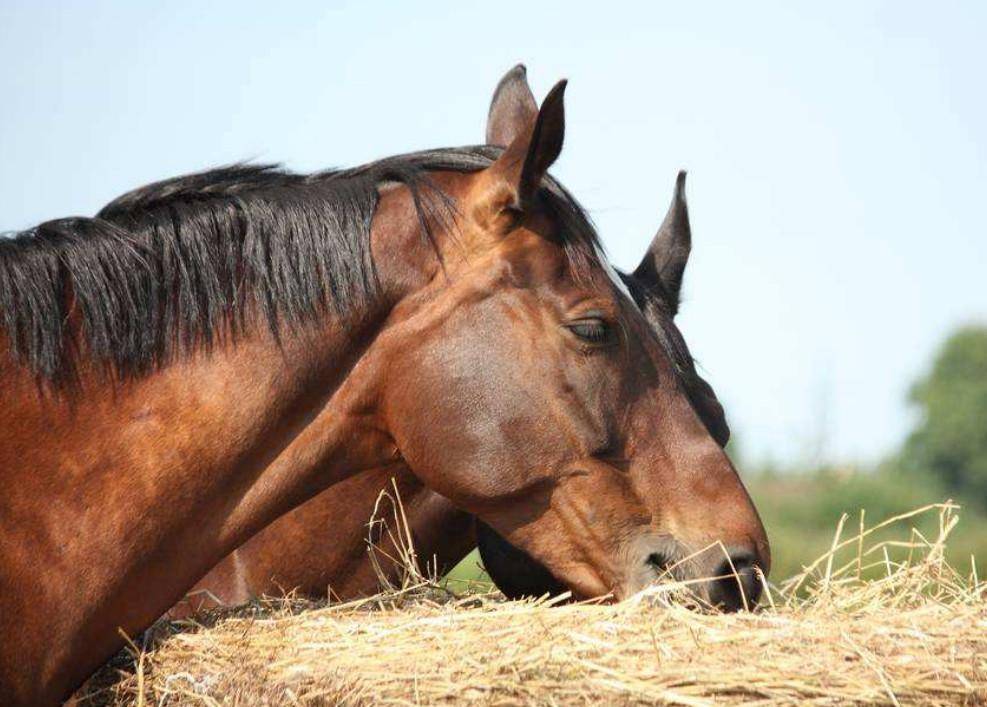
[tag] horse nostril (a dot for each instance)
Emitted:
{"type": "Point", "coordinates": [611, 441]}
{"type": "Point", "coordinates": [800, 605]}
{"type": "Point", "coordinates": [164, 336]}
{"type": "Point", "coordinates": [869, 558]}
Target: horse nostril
{"type": "Point", "coordinates": [737, 585]}
{"type": "Point", "coordinates": [658, 562]}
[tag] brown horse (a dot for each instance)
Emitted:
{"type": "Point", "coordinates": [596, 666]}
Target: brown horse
{"type": "Point", "coordinates": [323, 544]}
{"type": "Point", "coordinates": [209, 353]}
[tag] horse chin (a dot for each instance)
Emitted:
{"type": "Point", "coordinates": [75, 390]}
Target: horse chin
{"type": "Point", "coordinates": [514, 572]}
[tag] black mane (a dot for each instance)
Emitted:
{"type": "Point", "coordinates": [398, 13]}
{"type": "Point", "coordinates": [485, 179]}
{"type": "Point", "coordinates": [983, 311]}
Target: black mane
{"type": "Point", "coordinates": [179, 264]}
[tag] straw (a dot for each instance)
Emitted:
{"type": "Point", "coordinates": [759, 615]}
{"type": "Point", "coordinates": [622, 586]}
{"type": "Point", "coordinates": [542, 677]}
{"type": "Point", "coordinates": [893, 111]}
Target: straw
{"type": "Point", "coordinates": [886, 622]}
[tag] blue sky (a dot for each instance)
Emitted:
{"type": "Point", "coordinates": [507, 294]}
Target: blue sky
{"type": "Point", "coordinates": [836, 154]}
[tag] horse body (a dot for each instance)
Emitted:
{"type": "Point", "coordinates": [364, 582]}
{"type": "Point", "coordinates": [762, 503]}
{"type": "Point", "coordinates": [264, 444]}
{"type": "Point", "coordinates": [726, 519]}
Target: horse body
{"type": "Point", "coordinates": [215, 350]}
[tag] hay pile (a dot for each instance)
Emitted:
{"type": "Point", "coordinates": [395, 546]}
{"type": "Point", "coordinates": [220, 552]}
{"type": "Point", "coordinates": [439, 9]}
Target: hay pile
{"type": "Point", "coordinates": [871, 621]}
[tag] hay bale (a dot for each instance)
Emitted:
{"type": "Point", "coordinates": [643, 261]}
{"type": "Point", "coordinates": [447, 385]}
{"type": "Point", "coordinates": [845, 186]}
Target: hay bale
{"type": "Point", "coordinates": [915, 633]}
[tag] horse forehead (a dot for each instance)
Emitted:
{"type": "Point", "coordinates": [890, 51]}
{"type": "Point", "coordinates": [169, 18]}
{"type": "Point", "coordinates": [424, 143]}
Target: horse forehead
{"type": "Point", "coordinates": [615, 278]}
{"type": "Point", "coordinates": [534, 246]}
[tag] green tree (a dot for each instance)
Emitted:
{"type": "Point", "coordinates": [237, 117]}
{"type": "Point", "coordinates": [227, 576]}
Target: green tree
{"type": "Point", "coordinates": [950, 440]}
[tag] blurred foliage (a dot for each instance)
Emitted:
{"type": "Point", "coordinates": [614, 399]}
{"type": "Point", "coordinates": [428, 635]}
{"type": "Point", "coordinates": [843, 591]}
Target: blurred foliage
{"type": "Point", "coordinates": [950, 440]}
{"type": "Point", "coordinates": [802, 510]}
{"type": "Point", "coordinates": [945, 457]}
{"type": "Point", "coordinates": [468, 575]}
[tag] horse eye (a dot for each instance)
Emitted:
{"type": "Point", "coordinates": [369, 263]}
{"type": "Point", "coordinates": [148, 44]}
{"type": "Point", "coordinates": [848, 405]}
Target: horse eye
{"type": "Point", "coordinates": [593, 331]}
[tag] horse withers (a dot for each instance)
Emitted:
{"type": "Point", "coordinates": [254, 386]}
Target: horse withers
{"type": "Point", "coordinates": [201, 358]}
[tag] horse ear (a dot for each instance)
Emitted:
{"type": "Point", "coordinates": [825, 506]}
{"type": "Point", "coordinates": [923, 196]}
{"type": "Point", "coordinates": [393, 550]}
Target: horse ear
{"type": "Point", "coordinates": [664, 264]}
{"type": "Point", "coordinates": [516, 175]}
{"type": "Point", "coordinates": [512, 108]}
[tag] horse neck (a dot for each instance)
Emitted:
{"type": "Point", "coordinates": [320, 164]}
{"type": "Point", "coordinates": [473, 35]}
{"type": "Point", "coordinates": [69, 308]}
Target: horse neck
{"type": "Point", "coordinates": [324, 542]}
{"type": "Point", "coordinates": [122, 496]}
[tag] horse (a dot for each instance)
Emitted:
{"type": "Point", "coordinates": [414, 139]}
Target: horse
{"type": "Point", "coordinates": [322, 546]}
{"type": "Point", "coordinates": [299, 554]}
{"type": "Point", "coordinates": [208, 353]}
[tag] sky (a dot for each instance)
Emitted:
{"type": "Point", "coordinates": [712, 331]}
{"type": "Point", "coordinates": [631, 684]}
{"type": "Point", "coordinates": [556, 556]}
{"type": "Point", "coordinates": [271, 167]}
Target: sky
{"type": "Point", "coordinates": [836, 155]}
